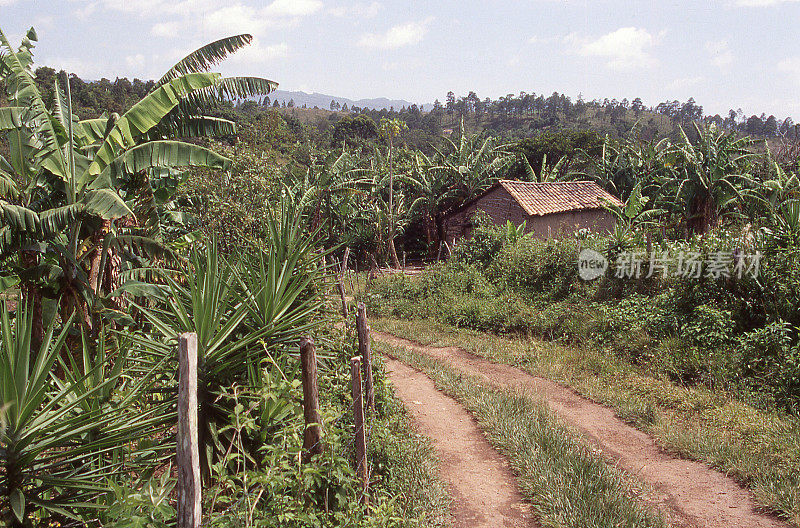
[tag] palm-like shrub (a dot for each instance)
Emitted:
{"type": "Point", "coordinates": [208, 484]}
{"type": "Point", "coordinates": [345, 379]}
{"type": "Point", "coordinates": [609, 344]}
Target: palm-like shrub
{"type": "Point", "coordinates": [63, 437]}
{"type": "Point", "coordinates": [243, 312]}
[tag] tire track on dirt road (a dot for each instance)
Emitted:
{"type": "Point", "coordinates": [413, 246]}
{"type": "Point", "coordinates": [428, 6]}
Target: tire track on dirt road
{"type": "Point", "coordinates": [484, 491]}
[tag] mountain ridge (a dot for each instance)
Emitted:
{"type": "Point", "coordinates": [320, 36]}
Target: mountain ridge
{"type": "Point", "coordinates": [311, 100]}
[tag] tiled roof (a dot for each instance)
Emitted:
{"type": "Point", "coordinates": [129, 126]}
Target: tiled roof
{"type": "Point", "coordinates": [539, 199]}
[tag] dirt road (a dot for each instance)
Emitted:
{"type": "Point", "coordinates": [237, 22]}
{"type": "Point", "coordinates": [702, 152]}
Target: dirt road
{"type": "Point", "coordinates": [690, 493]}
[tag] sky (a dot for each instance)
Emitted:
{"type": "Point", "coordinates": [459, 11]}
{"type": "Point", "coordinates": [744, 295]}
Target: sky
{"type": "Point", "coordinates": [727, 54]}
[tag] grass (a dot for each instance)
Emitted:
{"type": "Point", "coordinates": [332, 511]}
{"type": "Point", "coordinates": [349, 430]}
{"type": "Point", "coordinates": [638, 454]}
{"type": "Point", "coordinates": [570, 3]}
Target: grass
{"type": "Point", "coordinates": [758, 448]}
{"type": "Point", "coordinates": [566, 483]}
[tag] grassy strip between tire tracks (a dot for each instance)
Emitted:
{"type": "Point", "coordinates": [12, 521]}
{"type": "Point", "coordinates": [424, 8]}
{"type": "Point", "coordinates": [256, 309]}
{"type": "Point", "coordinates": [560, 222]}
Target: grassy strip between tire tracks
{"type": "Point", "coordinates": [567, 483]}
{"type": "Point", "coordinates": [759, 449]}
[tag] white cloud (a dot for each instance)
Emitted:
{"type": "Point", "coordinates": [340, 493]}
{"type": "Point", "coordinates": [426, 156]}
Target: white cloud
{"type": "Point", "coordinates": [138, 6]}
{"type": "Point", "coordinates": [257, 53]}
{"type": "Point", "coordinates": [791, 67]}
{"type": "Point", "coordinates": [83, 13]}
{"type": "Point", "coordinates": [720, 53]}
{"type": "Point", "coordinates": [8, 2]}
{"type": "Point", "coordinates": [293, 8]}
{"type": "Point", "coordinates": [536, 39]}
{"type": "Point", "coordinates": [229, 19]}
{"type": "Point", "coordinates": [623, 49]}
{"type": "Point", "coordinates": [685, 83]}
{"type": "Point", "coordinates": [136, 62]}
{"type": "Point", "coordinates": [357, 10]}
{"type": "Point", "coordinates": [44, 23]}
{"type": "Point", "coordinates": [762, 3]}
{"type": "Point", "coordinates": [402, 65]}
{"type": "Point", "coordinates": [166, 29]}
{"type": "Point", "coordinates": [397, 36]}
{"type": "Point", "coordinates": [235, 19]}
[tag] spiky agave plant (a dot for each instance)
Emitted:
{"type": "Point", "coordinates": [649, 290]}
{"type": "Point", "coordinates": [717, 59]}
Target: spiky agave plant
{"type": "Point", "coordinates": [63, 438]}
{"type": "Point", "coordinates": [240, 310]}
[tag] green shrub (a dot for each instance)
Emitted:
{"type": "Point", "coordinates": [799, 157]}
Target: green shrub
{"type": "Point", "coordinates": [771, 358]}
{"type": "Point", "coordinates": [486, 241]}
{"type": "Point", "coordinates": [709, 327]}
{"type": "Point", "coordinates": [537, 268]}
{"type": "Point", "coordinates": [685, 328]}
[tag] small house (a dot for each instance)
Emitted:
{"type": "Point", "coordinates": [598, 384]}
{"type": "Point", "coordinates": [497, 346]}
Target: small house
{"type": "Point", "coordinates": [548, 209]}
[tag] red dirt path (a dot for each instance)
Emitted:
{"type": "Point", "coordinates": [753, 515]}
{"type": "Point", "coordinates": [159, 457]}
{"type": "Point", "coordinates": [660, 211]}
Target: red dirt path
{"type": "Point", "coordinates": [690, 493]}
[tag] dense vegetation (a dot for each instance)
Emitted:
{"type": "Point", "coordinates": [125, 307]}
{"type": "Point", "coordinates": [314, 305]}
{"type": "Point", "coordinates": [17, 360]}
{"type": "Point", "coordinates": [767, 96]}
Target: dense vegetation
{"type": "Point", "coordinates": [730, 333]}
{"type": "Point", "coordinates": [101, 270]}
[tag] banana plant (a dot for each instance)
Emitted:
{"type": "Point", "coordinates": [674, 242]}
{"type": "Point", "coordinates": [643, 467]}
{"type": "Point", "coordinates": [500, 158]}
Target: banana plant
{"type": "Point", "coordinates": [629, 161]}
{"type": "Point", "coordinates": [514, 233]}
{"type": "Point", "coordinates": [547, 173]}
{"type": "Point", "coordinates": [75, 216]}
{"type": "Point", "coordinates": [473, 165]}
{"type": "Point", "coordinates": [712, 175]}
{"type": "Point", "coordinates": [632, 215]}
{"type": "Point", "coordinates": [327, 192]}
{"type": "Point", "coordinates": [434, 193]}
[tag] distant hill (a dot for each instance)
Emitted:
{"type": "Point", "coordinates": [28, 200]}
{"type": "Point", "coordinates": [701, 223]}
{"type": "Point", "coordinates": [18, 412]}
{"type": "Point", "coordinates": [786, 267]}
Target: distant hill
{"type": "Point", "coordinates": [324, 101]}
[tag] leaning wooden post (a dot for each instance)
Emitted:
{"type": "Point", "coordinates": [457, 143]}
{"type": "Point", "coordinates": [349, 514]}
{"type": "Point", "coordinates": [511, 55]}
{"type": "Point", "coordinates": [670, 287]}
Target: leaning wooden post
{"type": "Point", "coordinates": [340, 283]}
{"type": "Point", "coordinates": [340, 286]}
{"type": "Point", "coordinates": [188, 449]}
{"type": "Point", "coordinates": [358, 415]}
{"type": "Point", "coordinates": [312, 438]}
{"type": "Point", "coordinates": [345, 261]}
{"type": "Point", "coordinates": [344, 272]}
{"type": "Point", "coordinates": [365, 351]}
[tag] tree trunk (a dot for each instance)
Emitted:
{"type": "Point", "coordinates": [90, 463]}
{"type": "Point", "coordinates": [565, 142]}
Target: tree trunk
{"type": "Point", "coordinates": [703, 214]}
{"type": "Point", "coordinates": [392, 250]}
{"type": "Point", "coordinates": [97, 269]}
{"type": "Point", "coordinates": [393, 254]}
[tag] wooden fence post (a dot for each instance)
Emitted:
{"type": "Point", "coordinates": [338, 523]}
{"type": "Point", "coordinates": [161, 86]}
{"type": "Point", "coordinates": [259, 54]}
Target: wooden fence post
{"type": "Point", "coordinates": [374, 263]}
{"type": "Point", "coordinates": [345, 262]}
{"type": "Point", "coordinates": [312, 437]}
{"type": "Point", "coordinates": [358, 415]}
{"type": "Point", "coordinates": [188, 449]}
{"type": "Point", "coordinates": [340, 286]}
{"type": "Point", "coordinates": [365, 351]}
